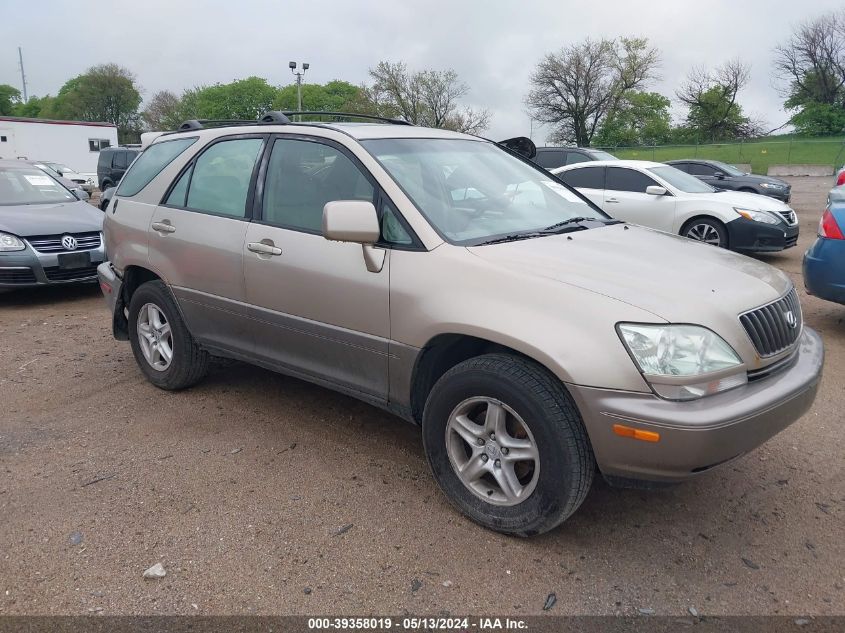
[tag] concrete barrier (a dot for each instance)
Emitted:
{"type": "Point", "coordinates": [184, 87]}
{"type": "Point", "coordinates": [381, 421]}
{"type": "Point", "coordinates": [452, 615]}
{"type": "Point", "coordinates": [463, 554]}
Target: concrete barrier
{"type": "Point", "coordinates": [800, 170]}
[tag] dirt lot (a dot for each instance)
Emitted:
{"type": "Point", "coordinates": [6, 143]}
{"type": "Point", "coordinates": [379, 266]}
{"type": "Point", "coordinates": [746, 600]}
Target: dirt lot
{"type": "Point", "coordinates": [263, 494]}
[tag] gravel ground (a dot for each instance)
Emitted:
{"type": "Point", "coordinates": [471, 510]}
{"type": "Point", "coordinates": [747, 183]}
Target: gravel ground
{"type": "Point", "coordinates": [263, 494]}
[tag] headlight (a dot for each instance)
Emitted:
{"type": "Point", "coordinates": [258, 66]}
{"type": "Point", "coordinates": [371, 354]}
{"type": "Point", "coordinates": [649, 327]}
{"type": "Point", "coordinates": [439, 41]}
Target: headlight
{"type": "Point", "coordinates": [10, 243]}
{"type": "Point", "coordinates": [683, 362]}
{"type": "Point", "coordinates": [772, 185]}
{"type": "Point", "coordinates": [757, 216]}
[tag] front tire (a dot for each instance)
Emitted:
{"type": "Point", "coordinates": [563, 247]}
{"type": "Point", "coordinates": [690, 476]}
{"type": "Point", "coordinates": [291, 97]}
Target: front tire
{"type": "Point", "coordinates": [163, 347]}
{"type": "Point", "coordinates": [707, 230]}
{"type": "Point", "coordinates": [506, 444]}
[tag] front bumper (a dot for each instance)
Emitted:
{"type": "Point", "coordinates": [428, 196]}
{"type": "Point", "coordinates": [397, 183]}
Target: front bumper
{"type": "Point", "coordinates": [698, 435]}
{"type": "Point", "coordinates": [778, 194]}
{"type": "Point", "coordinates": [30, 268]}
{"type": "Point", "coordinates": [755, 237]}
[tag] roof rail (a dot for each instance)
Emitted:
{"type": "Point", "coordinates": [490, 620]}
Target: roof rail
{"type": "Point", "coordinates": [348, 115]}
{"type": "Point", "coordinates": [277, 117]}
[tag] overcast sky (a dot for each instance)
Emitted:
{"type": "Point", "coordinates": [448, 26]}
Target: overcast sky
{"type": "Point", "coordinates": [492, 45]}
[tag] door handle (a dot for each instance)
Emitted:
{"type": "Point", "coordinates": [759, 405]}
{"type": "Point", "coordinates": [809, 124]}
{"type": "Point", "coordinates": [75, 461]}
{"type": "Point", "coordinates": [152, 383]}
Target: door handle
{"type": "Point", "coordinates": [163, 227]}
{"type": "Point", "coordinates": [612, 201]}
{"type": "Point", "coordinates": [263, 248]}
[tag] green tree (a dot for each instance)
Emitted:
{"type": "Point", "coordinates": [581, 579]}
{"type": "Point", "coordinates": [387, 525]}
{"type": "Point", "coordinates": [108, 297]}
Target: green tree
{"type": "Point", "coordinates": [712, 101]}
{"type": "Point", "coordinates": [425, 97]}
{"type": "Point", "coordinates": [812, 65]}
{"type": "Point", "coordinates": [335, 96]}
{"type": "Point", "coordinates": [241, 99]}
{"type": "Point", "coordinates": [35, 108]}
{"type": "Point", "coordinates": [575, 88]}
{"type": "Point", "coordinates": [640, 118]}
{"type": "Point", "coordinates": [163, 112]}
{"type": "Point", "coordinates": [10, 97]}
{"type": "Point", "coordinates": [105, 93]}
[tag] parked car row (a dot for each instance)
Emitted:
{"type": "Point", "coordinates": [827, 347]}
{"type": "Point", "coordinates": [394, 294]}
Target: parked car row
{"type": "Point", "coordinates": [534, 336]}
{"type": "Point", "coordinates": [663, 197]}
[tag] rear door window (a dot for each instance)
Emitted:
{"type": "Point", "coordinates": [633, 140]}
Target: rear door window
{"type": "Point", "coordinates": [621, 179]}
{"type": "Point", "coordinates": [150, 163]}
{"type": "Point", "coordinates": [700, 169]}
{"type": "Point", "coordinates": [119, 160]}
{"type": "Point", "coordinates": [584, 177]}
{"type": "Point", "coordinates": [549, 159]}
{"type": "Point", "coordinates": [576, 157]}
{"type": "Point", "coordinates": [221, 177]}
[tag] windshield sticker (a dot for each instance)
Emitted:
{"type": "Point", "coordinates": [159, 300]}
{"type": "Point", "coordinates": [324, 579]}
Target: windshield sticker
{"type": "Point", "coordinates": [39, 181]}
{"type": "Point", "coordinates": [562, 191]}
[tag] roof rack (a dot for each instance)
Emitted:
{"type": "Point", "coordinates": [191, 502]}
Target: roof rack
{"type": "Point", "coordinates": [276, 117]}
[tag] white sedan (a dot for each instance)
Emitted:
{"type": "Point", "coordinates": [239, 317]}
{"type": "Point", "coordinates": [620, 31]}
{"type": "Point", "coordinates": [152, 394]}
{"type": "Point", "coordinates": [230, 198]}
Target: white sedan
{"type": "Point", "coordinates": [665, 198]}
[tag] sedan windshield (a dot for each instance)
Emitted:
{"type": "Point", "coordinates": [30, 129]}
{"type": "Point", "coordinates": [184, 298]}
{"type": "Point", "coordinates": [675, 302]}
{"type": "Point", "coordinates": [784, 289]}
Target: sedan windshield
{"type": "Point", "coordinates": [730, 170]}
{"type": "Point", "coordinates": [681, 180]}
{"type": "Point", "coordinates": [472, 191]}
{"type": "Point", "coordinates": [28, 185]}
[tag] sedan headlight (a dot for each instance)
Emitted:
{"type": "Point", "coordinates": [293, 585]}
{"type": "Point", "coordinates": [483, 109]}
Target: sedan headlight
{"type": "Point", "coordinates": [757, 216]}
{"type": "Point", "coordinates": [683, 362]}
{"type": "Point", "coordinates": [10, 243]}
{"type": "Point", "coordinates": [772, 185]}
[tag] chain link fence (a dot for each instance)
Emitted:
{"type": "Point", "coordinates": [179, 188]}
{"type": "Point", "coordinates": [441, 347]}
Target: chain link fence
{"type": "Point", "coordinates": [759, 153]}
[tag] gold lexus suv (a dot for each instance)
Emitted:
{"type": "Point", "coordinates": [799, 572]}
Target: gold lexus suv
{"type": "Point", "coordinates": [451, 281]}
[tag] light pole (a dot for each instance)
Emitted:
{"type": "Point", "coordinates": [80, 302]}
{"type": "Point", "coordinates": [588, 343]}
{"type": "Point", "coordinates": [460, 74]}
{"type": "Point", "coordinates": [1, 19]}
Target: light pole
{"type": "Point", "coordinates": [299, 76]}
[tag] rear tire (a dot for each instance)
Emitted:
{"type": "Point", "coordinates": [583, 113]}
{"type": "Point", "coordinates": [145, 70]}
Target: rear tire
{"type": "Point", "coordinates": [707, 230]}
{"type": "Point", "coordinates": [537, 469]}
{"type": "Point", "coordinates": [163, 347]}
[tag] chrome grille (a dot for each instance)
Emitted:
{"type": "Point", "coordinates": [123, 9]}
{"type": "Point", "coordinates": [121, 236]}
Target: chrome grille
{"type": "Point", "coordinates": [789, 217]}
{"type": "Point", "coordinates": [770, 327]}
{"type": "Point", "coordinates": [53, 243]}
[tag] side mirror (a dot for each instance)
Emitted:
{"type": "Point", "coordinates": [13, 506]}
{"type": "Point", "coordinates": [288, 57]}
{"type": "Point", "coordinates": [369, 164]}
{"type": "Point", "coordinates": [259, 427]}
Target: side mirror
{"type": "Point", "coordinates": [655, 190]}
{"type": "Point", "coordinates": [351, 221]}
{"type": "Point", "coordinates": [81, 194]}
{"type": "Point", "coordinates": [719, 175]}
{"type": "Point", "coordinates": [60, 172]}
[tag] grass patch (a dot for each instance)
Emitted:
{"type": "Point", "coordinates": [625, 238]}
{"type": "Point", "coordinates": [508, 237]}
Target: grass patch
{"type": "Point", "coordinates": [760, 153]}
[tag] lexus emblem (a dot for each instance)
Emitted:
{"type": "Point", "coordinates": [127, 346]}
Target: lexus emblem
{"type": "Point", "coordinates": [69, 243]}
{"type": "Point", "coordinates": [791, 321]}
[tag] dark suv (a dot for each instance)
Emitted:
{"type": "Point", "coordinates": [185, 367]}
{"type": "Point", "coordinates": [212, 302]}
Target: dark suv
{"type": "Point", "coordinates": [724, 176]}
{"type": "Point", "coordinates": [113, 163]}
{"type": "Point", "coordinates": [552, 157]}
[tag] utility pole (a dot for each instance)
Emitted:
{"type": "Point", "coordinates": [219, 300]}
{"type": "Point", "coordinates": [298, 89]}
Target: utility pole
{"type": "Point", "coordinates": [299, 76]}
{"type": "Point", "coordinates": [23, 74]}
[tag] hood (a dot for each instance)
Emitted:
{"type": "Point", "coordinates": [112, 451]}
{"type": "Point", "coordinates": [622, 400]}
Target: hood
{"type": "Point", "coordinates": [675, 278]}
{"type": "Point", "coordinates": [50, 219]}
{"type": "Point", "coordinates": [756, 178]}
{"type": "Point", "coordinates": [753, 201]}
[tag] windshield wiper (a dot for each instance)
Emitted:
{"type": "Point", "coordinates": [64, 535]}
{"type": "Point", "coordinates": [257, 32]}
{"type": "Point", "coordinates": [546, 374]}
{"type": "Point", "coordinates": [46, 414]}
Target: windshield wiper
{"type": "Point", "coordinates": [532, 234]}
{"type": "Point", "coordinates": [557, 225]}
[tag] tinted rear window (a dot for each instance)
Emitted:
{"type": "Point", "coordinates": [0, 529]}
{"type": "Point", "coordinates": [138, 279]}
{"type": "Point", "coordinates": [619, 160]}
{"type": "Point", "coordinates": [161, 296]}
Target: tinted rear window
{"type": "Point", "coordinates": [550, 158]}
{"type": "Point", "coordinates": [584, 178]}
{"type": "Point", "coordinates": [150, 163]}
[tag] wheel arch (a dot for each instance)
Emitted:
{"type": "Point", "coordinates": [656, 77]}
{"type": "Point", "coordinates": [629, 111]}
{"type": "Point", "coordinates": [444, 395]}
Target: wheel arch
{"type": "Point", "coordinates": [133, 277]}
{"type": "Point", "coordinates": [705, 215]}
{"type": "Point", "coordinates": [444, 351]}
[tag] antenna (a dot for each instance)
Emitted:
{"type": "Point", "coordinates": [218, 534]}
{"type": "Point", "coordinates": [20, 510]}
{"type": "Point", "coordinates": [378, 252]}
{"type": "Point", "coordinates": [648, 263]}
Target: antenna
{"type": "Point", "coordinates": [23, 74]}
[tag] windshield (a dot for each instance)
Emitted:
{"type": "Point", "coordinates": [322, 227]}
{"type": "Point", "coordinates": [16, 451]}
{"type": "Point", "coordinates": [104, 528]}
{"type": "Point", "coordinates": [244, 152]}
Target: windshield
{"type": "Point", "coordinates": [730, 170]}
{"type": "Point", "coordinates": [59, 167]}
{"type": "Point", "coordinates": [681, 180]}
{"type": "Point", "coordinates": [471, 191]}
{"type": "Point", "coordinates": [29, 185]}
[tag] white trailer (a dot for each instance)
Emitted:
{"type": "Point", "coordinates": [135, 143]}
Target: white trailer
{"type": "Point", "coordinates": [76, 144]}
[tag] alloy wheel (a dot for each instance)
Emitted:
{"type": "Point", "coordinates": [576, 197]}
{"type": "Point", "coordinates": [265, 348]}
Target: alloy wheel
{"type": "Point", "coordinates": [492, 451]}
{"type": "Point", "coordinates": [704, 233]}
{"type": "Point", "coordinates": [155, 337]}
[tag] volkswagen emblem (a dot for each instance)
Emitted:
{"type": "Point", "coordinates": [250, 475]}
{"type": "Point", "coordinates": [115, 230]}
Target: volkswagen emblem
{"type": "Point", "coordinates": [69, 243]}
{"type": "Point", "coordinates": [791, 321]}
